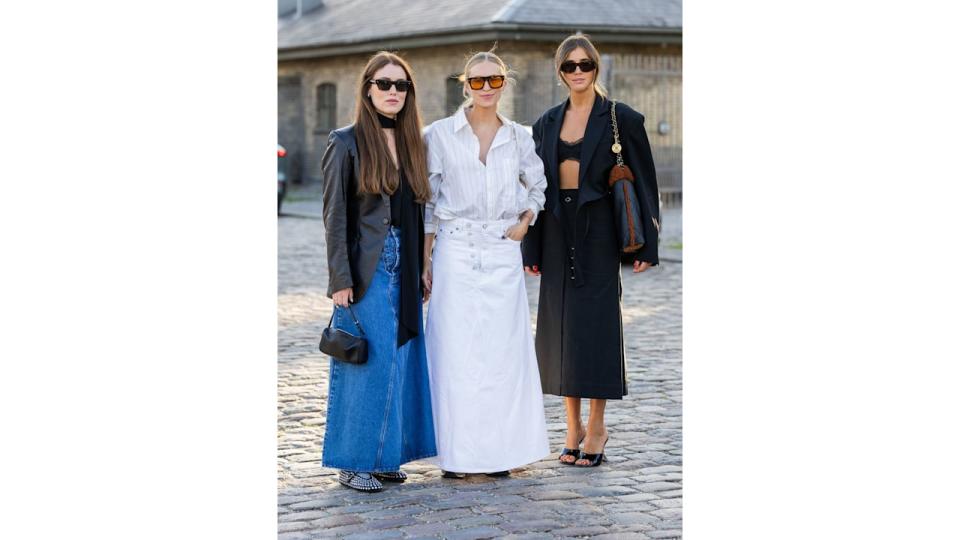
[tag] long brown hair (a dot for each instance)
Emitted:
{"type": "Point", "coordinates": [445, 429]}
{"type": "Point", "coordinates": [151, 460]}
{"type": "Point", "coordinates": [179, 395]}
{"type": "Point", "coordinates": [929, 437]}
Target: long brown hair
{"type": "Point", "coordinates": [377, 171]}
{"type": "Point", "coordinates": [567, 46]}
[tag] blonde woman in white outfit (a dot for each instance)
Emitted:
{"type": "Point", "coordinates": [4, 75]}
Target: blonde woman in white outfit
{"type": "Point", "coordinates": [488, 186]}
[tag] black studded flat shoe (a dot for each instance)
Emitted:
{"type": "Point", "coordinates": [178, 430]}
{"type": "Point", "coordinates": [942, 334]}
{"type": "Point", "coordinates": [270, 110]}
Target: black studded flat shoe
{"type": "Point", "coordinates": [594, 459]}
{"type": "Point", "coordinates": [455, 475]}
{"type": "Point", "coordinates": [575, 452]}
{"type": "Point", "coordinates": [360, 481]}
{"type": "Point", "coordinates": [393, 476]}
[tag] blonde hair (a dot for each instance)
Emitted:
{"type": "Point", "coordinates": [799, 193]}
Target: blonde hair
{"type": "Point", "coordinates": [570, 44]}
{"type": "Point", "coordinates": [479, 58]}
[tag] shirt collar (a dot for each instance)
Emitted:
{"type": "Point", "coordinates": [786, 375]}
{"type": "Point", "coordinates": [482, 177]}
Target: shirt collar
{"type": "Point", "coordinates": [460, 119]}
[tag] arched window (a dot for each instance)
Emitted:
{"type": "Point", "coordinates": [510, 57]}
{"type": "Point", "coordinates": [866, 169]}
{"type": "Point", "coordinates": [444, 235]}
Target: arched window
{"type": "Point", "coordinates": [326, 107]}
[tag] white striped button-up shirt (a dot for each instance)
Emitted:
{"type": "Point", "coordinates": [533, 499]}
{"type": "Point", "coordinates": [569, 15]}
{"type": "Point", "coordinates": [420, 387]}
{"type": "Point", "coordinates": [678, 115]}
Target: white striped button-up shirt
{"type": "Point", "coordinates": [511, 182]}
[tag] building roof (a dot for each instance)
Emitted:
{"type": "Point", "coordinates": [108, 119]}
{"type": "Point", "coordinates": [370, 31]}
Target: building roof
{"type": "Point", "coordinates": [345, 26]}
{"type": "Point", "coordinates": [637, 14]}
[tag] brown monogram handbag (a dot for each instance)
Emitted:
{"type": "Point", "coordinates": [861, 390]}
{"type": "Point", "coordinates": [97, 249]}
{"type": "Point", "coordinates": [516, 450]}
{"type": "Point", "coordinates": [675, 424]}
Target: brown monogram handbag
{"type": "Point", "coordinates": [626, 206]}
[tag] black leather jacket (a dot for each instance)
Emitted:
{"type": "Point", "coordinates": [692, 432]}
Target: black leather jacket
{"type": "Point", "coordinates": [356, 224]}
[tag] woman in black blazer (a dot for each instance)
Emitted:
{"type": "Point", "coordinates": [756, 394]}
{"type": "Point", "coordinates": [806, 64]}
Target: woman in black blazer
{"type": "Point", "coordinates": [574, 246]}
{"type": "Point", "coordinates": [379, 414]}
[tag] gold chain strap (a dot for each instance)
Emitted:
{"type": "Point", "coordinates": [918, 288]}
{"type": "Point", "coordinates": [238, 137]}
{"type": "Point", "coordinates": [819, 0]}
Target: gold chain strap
{"type": "Point", "coordinates": [616, 133]}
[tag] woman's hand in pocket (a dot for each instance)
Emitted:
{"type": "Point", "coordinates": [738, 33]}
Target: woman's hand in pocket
{"type": "Point", "coordinates": [517, 231]}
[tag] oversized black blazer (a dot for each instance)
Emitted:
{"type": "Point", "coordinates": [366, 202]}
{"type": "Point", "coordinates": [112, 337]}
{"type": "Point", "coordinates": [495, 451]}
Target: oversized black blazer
{"type": "Point", "coordinates": [356, 224]}
{"type": "Point", "coordinates": [597, 158]}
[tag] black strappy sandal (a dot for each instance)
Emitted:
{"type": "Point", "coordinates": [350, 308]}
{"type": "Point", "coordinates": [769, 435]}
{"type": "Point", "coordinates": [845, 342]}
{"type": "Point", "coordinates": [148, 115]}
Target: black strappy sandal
{"type": "Point", "coordinates": [594, 459]}
{"type": "Point", "coordinates": [454, 475]}
{"type": "Point", "coordinates": [575, 452]}
{"type": "Point", "coordinates": [393, 476]}
{"type": "Point", "coordinates": [360, 481]}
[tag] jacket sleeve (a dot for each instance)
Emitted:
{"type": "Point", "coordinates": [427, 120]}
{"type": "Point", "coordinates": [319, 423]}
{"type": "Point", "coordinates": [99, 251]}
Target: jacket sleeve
{"type": "Point", "coordinates": [531, 167]}
{"type": "Point", "coordinates": [337, 169]}
{"type": "Point", "coordinates": [532, 245]}
{"type": "Point", "coordinates": [435, 176]}
{"type": "Point", "coordinates": [639, 158]}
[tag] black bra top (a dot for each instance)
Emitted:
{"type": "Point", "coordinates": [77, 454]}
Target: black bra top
{"type": "Point", "coordinates": [567, 150]}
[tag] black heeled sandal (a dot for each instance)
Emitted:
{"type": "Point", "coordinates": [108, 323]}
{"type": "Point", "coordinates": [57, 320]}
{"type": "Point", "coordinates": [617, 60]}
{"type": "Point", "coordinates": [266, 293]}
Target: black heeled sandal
{"type": "Point", "coordinates": [454, 475]}
{"type": "Point", "coordinates": [594, 459]}
{"type": "Point", "coordinates": [575, 452]}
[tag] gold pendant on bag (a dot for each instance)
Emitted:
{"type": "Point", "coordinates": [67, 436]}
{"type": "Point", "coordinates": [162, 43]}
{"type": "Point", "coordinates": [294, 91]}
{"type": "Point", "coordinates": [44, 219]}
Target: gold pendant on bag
{"type": "Point", "coordinates": [616, 148]}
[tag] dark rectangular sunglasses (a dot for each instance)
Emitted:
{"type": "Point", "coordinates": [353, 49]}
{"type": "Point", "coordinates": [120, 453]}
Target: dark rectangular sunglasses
{"type": "Point", "coordinates": [570, 66]}
{"type": "Point", "coordinates": [476, 83]}
{"type": "Point", "coordinates": [384, 84]}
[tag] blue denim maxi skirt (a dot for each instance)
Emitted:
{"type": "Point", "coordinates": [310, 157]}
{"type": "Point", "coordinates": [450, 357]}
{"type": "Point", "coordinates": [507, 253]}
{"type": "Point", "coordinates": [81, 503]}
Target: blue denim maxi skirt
{"type": "Point", "coordinates": [379, 414]}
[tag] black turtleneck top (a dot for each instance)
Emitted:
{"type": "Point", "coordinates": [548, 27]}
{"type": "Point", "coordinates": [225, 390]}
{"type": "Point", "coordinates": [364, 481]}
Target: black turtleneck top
{"type": "Point", "coordinates": [397, 195]}
{"type": "Point", "coordinates": [396, 202]}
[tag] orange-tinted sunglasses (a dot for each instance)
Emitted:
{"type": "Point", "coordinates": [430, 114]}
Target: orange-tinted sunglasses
{"type": "Point", "coordinates": [476, 83]}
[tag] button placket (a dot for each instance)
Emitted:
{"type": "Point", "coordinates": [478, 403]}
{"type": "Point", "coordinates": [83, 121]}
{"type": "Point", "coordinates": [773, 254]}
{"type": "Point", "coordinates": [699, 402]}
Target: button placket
{"type": "Point", "coordinates": [475, 255]}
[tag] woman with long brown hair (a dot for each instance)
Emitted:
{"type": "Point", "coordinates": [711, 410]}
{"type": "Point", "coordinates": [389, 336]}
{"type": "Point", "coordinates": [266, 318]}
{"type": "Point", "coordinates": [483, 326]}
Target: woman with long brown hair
{"type": "Point", "coordinates": [379, 414]}
{"type": "Point", "coordinates": [574, 245]}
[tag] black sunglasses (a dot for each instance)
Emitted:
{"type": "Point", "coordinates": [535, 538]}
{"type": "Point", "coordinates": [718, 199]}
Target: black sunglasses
{"type": "Point", "coordinates": [570, 66]}
{"type": "Point", "coordinates": [384, 84]}
{"type": "Point", "coordinates": [476, 83]}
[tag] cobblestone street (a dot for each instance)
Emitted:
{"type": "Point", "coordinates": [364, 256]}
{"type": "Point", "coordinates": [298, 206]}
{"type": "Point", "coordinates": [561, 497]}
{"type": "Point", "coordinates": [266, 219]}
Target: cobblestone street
{"type": "Point", "coordinates": [637, 494]}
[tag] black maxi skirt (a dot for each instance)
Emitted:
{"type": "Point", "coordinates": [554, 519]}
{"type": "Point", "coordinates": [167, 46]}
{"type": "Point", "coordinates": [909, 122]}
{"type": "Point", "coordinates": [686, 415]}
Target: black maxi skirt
{"type": "Point", "coordinates": [579, 328]}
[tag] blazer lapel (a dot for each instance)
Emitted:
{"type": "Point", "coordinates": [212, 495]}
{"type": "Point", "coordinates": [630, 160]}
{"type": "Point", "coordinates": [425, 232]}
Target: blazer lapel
{"type": "Point", "coordinates": [356, 165]}
{"type": "Point", "coordinates": [596, 125]}
{"type": "Point", "coordinates": [551, 137]}
{"type": "Point", "coordinates": [351, 136]}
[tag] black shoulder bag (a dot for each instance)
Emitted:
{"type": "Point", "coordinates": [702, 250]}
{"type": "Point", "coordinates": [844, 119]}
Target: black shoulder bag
{"type": "Point", "coordinates": [343, 345]}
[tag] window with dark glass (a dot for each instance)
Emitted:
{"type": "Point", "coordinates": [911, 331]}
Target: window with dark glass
{"type": "Point", "coordinates": [326, 107]}
{"type": "Point", "coordinates": [454, 94]}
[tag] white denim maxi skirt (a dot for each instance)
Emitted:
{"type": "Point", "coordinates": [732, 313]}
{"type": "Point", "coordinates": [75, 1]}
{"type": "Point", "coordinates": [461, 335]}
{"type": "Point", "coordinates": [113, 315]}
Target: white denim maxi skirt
{"type": "Point", "coordinates": [484, 380]}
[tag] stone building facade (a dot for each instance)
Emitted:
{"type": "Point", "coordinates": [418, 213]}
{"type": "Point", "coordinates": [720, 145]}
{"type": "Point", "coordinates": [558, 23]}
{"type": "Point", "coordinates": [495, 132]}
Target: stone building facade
{"type": "Point", "coordinates": [316, 94]}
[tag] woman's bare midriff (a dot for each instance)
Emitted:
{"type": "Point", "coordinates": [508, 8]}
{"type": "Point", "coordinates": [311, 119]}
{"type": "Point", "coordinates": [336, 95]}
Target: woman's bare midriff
{"type": "Point", "coordinates": [570, 174]}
